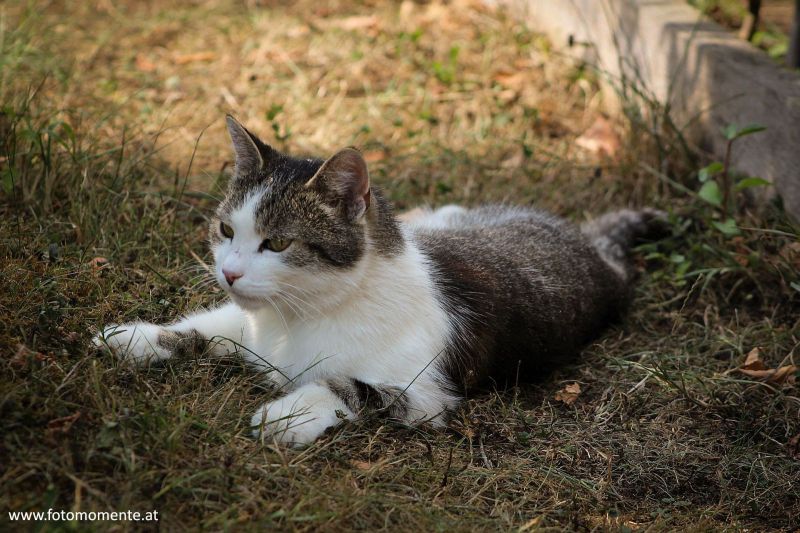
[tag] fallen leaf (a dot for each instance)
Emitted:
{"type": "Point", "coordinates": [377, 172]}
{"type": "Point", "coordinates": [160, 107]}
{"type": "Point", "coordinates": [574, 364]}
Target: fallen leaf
{"type": "Point", "coordinates": [373, 156]}
{"type": "Point", "coordinates": [144, 64]}
{"type": "Point", "coordinates": [98, 262]}
{"type": "Point", "coordinates": [784, 374]}
{"type": "Point", "coordinates": [753, 361]}
{"type": "Point", "coordinates": [569, 394]}
{"type": "Point", "coordinates": [357, 22]}
{"type": "Point", "coordinates": [62, 425]}
{"type": "Point", "coordinates": [755, 368]}
{"type": "Point", "coordinates": [515, 160]}
{"type": "Point", "coordinates": [512, 80]}
{"type": "Point", "coordinates": [600, 138]}
{"type": "Point", "coordinates": [24, 356]}
{"type": "Point", "coordinates": [182, 59]}
{"type": "Point", "coordinates": [361, 465]}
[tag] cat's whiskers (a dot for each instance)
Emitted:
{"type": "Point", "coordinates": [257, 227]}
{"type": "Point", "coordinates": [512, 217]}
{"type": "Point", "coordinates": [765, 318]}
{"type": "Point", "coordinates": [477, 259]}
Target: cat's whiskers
{"type": "Point", "coordinates": [280, 313]}
{"type": "Point", "coordinates": [297, 311]}
{"type": "Point", "coordinates": [194, 266]}
{"type": "Point", "coordinates": [308, 304]}
{"type": "Point", "coordinates": [298, 299]}
{"type": "Point", "coordinates": [204, 283]}
{"type": "Point", "coordinates": [192, 271]}
{"type": "Point", "coordinates": [295, 306]}
{"type": "Point", "coordinates": [266, 290]}
{"type": "Point", "coordinates": [300, 289]}
{"type": "Point", "coordinates": [301, 307]}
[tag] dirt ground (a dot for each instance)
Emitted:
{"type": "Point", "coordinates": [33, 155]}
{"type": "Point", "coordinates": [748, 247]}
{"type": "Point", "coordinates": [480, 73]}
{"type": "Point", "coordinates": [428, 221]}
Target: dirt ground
{"type": "Point", "coordinates": [113, 152]}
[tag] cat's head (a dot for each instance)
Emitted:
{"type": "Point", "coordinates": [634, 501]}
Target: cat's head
{"type": "Point", "coordinates": [296, 229]}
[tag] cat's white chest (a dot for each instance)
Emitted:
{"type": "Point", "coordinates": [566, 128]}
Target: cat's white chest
{"type": "Point", "coordinates": [368, 348]}
{"type": "Point", "coordinates": [393, 332]}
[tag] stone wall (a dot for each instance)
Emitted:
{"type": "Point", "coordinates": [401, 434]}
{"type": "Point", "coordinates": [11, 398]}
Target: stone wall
{"type": "Point", "coordinates": [706, 74]}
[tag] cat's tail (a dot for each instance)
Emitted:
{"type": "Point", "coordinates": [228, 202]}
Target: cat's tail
{"type": "Point", "coordinates": [614, 234]}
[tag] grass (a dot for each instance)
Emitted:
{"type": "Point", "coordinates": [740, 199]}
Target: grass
{"type": "Point", "coordinates": [112, 152]}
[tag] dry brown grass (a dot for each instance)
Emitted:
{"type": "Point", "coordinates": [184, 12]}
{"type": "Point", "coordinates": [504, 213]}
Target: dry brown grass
{"type": "Point", "coordinates": [112, 146]}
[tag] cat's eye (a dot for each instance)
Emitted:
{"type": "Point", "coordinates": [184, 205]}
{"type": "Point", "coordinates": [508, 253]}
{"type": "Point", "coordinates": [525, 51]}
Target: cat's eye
{"type": "Point", "coordinates": [275, 245]}
{"type": "Point", "coordinates": [226, 230]}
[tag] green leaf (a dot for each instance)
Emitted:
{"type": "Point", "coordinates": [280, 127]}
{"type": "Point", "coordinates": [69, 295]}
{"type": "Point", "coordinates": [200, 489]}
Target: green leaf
{"type": "Point", "coordinates": [729, 131]}
{"type": "Point", "coordinates": [711, 170]}
{"type": "Point", "coordinates": [749, 130]}
{"type": "Point", "coordinates": [728, 227]}
{"type": "Point", "coordinates": [273, 111]}
{"type": "Point", "coordinates": [747, 183]}
{"type": "Point", "coordinates": [682, 269]}
{"type": "Point", "coordinates": [710, 193]}
{"type": "Point", "coordinates": [732, 131]}
{"type": "Point", "coordinates": [795, 286]}
{"type": "Point", "coordinates": [778, 50]}
{"type": "Point", "coordinates": [454, 50]}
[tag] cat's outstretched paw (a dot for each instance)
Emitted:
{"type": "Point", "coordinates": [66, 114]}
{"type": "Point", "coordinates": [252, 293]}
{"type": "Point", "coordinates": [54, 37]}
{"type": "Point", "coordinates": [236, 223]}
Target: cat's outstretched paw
{"type": "Point", "coordinates": [300, 417]}
{"type": "Point", "coordinates": [138, 342]}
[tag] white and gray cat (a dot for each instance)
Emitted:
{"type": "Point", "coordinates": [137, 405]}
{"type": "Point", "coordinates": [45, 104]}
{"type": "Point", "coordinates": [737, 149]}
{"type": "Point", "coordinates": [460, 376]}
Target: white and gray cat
{"type": "Point", "coordinates": [352, 309]}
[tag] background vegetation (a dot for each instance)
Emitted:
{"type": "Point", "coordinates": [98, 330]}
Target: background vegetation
{"type": "Point", "coordinates": [774, 27]}
{"type": "Point", "coordinates": [113, 152]}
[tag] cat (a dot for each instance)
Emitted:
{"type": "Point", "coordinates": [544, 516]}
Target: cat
{"type": "Point", "coordinates": [351, 309]}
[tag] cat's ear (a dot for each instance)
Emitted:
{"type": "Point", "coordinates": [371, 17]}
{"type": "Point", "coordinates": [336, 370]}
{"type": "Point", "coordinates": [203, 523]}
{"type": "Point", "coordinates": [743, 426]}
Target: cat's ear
{"type": "Point", "coordinates": [250, 152]}
{"type": "Point", "coordinates": [343, 180]}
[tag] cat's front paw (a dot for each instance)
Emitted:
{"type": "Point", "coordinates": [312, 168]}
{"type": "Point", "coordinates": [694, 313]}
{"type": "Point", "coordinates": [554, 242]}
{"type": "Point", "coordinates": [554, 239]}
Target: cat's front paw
{"type": "Point", "coordinates": [137, 342]}
{"type": "Point", "coordinates": [300, 417]}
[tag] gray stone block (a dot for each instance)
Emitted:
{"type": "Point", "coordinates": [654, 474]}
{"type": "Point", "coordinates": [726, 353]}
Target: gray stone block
{"type": "Point", "coordinates": [708, 76]}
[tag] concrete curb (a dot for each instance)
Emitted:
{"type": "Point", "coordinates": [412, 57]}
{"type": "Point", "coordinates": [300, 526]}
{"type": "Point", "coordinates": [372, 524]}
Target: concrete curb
{"type": "Point", "coordinates": [701, 70]}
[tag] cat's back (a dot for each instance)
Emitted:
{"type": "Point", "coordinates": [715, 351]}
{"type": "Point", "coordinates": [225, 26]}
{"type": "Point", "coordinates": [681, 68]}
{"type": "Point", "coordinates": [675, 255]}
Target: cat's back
{"type": "Point", "coordinates": [523, 284]}
{"type": "Point", "coordinates": [496, 237]}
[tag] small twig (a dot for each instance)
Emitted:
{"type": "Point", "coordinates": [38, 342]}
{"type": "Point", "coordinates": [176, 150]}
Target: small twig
{"type": "Point", "coordinates": [640, 384]}
{"type": "Point", "coordinates": [202, 263]}
{"type": "Point", "coordinates": [443, 484]}
{"type": "Point", "coordinates": [486, 460]}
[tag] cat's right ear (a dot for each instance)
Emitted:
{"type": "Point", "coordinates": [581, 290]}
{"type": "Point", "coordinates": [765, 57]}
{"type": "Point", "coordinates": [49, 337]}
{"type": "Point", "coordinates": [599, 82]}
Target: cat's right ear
{"type": "Point", "coordinates": [248, 149]}
{"type": "Point", "coordinates": [343, 180]}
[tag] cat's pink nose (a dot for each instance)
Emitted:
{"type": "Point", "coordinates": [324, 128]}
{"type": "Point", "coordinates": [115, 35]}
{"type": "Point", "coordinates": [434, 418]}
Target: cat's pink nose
{"type": "Point", "coordinates": [230, 277]}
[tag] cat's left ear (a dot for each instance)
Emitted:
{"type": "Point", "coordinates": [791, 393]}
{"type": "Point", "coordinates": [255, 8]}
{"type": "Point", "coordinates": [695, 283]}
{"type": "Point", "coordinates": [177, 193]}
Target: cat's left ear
{"type": "Point", "coordinates": [343, 180]}
{"type": "Point", "coordinates": [250, 151]}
